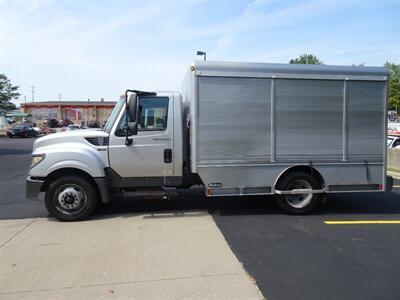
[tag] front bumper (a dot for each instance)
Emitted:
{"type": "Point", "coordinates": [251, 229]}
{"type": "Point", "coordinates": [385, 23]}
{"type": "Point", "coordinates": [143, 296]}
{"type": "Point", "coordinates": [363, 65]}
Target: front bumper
{"type": "Point", "coordinates": [33, 186]}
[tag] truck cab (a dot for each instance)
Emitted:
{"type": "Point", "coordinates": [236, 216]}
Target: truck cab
{"type": "Point", "coordinates": [77, 168]}
{"type": "Point", "coordinates": [151, 145]}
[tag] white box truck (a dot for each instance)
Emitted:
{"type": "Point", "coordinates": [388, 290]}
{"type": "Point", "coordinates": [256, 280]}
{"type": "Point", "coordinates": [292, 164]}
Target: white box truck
{"type": "Point", "coordinates": [297, 131]}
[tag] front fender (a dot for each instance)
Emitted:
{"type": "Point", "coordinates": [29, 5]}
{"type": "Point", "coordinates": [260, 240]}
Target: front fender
{"type": "Point", "coordinates": [70, 155]}
{"type": "Point", "coordinates": [92, 169]}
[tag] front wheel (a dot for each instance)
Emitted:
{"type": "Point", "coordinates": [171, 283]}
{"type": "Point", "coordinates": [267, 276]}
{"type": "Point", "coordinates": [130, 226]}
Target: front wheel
{"type": "Point", "coordinates": [298, 204]}
{"type": "Point", "coordinates": [71, 198]}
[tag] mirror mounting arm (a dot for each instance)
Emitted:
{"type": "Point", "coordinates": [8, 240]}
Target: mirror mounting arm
{"type": "Point", "coordinates": [128, 141]}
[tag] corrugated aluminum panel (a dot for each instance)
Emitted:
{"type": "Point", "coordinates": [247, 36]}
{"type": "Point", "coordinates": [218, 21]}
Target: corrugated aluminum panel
{"type": "Point", "coordinates": [309, 115]}
{"type": "Point", "coordinates": [233, 119]}
{"type": "Point", "coordinates": [231, 141]}
{"type": "Point", "coordinates": [365, 120]}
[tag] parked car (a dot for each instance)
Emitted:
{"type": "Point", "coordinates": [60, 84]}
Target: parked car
{"type": "Point", "coordinates": [393, 141]}
{"type": "Point", "coordinates": [393, 129]}
{"type": "Point", "coordinates": [27, 123]}
{"type": "Point", "coordinates": [51, 123]}
{"type": "Point", "coordinates": [64, 123]}
{"type": "Point", "coordinates": [47, 130]}
{"type": "Point", "coordinates": [93, 124]}
{"type": "Point", "coordinates": [38, 131]}
{"type": "Point", "coordinates": [73, 127]}
{"type": "Point", "coordinates": [21, 131]}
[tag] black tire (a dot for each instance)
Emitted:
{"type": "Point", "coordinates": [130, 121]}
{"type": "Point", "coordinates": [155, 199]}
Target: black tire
{"type": "Point", "coordinates": [64, 190]}
{"type": "Point", "coordinates": [289, 204]}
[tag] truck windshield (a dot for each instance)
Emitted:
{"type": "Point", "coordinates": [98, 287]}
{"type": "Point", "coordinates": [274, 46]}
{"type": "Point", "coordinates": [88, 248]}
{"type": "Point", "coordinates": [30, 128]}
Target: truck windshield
{"type": "Point", "coordinates": [114, 115]}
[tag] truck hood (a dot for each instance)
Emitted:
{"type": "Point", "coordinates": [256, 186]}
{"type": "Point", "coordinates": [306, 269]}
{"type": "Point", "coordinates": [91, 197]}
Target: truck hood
{"type": "Point", "coordinates": [75, 136]}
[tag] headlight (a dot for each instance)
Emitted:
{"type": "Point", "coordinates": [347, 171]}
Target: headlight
{"type": "Point", "coordinates": [37, 158]}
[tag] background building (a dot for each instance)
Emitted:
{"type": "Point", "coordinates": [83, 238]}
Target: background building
{"type": "Point", "coordinates": [76, 111]}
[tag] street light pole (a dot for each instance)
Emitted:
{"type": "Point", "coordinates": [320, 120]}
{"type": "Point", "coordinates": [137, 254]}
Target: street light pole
{"type": "Point", "coordinates": [202, 53]}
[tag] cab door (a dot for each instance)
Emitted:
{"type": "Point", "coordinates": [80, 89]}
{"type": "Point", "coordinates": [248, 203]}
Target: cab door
{"type": "Point", "coordinates": [150, 154]}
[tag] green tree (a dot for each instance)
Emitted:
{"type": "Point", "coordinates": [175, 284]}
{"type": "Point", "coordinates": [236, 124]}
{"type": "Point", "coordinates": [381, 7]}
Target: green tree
{"type": "Point", "coordinates": [306, 59]}
{"type": "Point", "coordinates": [8, 92]}
{"type": "Point", "coordinates": [9, 106]}
{"type": "Point", "coordinates": [394, 85]}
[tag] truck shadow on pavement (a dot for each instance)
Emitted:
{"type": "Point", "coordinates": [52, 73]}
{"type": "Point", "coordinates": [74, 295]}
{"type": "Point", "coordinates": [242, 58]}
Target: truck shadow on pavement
{"type": "Point", "coordinates": [346, 203]}
{"type": "Point", "coordinates": [194, 200]}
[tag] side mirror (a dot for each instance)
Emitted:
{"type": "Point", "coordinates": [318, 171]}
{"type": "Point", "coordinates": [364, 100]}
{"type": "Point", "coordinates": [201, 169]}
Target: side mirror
{"type": "Point", "coordinates": [132, 108]}
{"type": "Point", "coordinates": [131, 115]}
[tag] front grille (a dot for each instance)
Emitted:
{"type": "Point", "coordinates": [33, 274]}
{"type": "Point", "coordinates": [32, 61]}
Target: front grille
{"type": "Point", "coordinates": [98, 141]}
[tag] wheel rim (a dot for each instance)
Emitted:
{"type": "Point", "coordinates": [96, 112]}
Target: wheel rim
{"type": "Point", "coordinates": [299, 200]}
{"type": "Point", "coordinates": [70, 199]}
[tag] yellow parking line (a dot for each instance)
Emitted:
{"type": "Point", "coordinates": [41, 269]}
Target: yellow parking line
{"type": "Point", "coordinates": [362, 222]}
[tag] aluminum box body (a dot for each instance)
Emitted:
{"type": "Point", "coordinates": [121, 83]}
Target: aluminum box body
{"type": "Point", "coordinates": [252, 121]}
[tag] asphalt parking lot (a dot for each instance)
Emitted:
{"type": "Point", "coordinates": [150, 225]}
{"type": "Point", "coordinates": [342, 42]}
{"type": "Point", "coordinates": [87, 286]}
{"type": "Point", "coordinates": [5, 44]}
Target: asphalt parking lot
{"type": "Point", "coordinates": [290, 257]}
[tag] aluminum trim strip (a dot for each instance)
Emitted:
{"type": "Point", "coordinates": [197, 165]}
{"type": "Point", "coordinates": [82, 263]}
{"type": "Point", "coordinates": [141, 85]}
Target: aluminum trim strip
{"type": "Point", "coordinates": [235, 195]}
{"type": "Point", "coordinates": [385, 104]}
{"type": "Point", "coordinates": [299, 192]}
{"type": "Point", "coordinates": [354, 191]}
{"type": "Point", "coordinates": [273, 131]}
{"type": "Point", "coordinates": [291, 76]}
{"type": "Point", "coordinates": [345, 121]}
{"type": "Point", "coordinates": [288, 164]}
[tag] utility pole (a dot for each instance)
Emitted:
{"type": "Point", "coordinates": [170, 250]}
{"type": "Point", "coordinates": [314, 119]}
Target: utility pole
{"type": "Point", "coordinates": [25, 98]}
{"type": "Point", "coordinates": [59, 97]}
{"type": "Point", "coordinates": [33, 93]}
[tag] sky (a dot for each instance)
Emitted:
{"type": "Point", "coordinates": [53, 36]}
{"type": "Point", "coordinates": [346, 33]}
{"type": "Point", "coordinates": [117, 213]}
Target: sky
{"type": "Point", "coordinates": [97, 49]}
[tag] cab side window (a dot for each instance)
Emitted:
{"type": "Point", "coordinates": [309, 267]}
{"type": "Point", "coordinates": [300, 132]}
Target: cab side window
{"type": "Point", "coordinates": [152, 115]}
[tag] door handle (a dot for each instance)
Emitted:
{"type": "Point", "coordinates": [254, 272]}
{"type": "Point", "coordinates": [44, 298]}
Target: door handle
{"type": "Point", "coordinates": [161, 139]}
{"type": "Point", "coordinates": [167, 156]}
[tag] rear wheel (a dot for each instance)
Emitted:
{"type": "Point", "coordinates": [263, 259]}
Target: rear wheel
{"type": "Point", "coordinates": [298, 204]}
{"type": "Point", "coordinates": [71, 198]}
